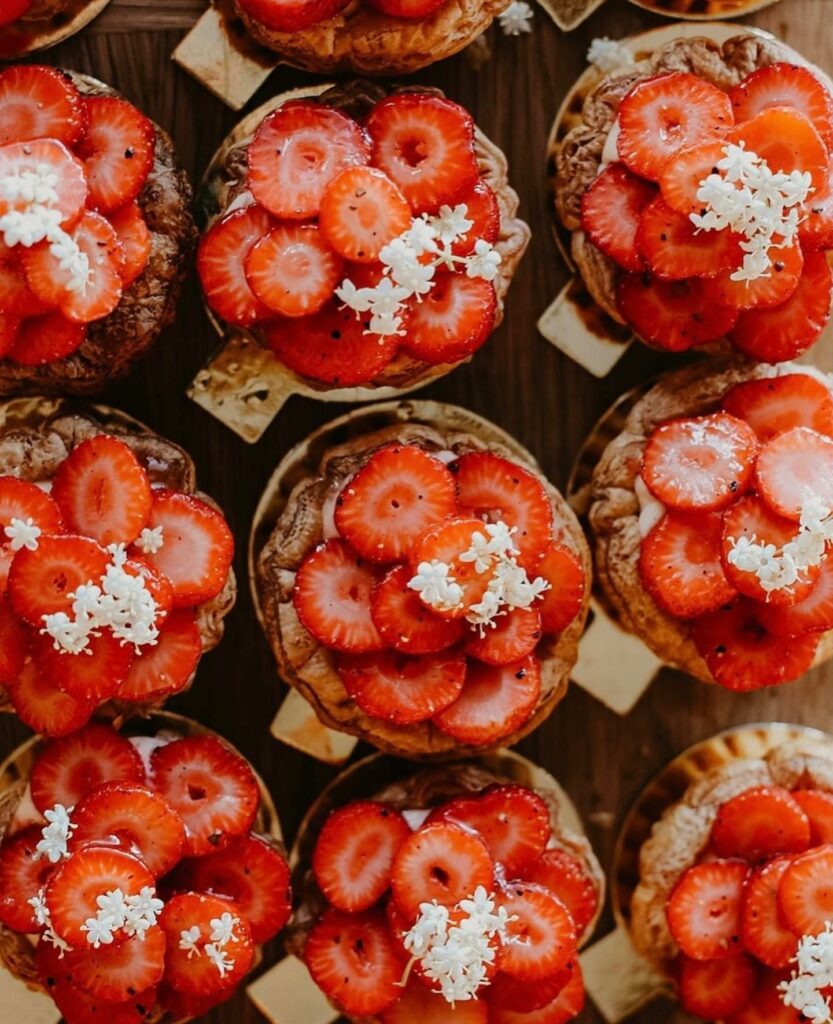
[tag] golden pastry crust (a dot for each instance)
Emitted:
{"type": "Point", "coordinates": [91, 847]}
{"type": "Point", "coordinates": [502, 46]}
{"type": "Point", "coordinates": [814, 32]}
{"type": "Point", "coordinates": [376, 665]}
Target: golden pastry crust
{"type": "Point", "coordinates": [364, 41]}
{"type": "Point", "coordinates": [310, 668]}
{"type": "Point", "coordinates": [614, 513]}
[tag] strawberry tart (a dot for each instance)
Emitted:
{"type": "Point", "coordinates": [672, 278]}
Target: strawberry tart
{"type": "Point", "coordinates": [423, 586]}
{"type": "Point", "coordinates": [711, 522]}
{"type": "Point", "coordinates": [696, 188]}
{"type": "Point", "coordinates": [733, 902]}
{"type": "Point", "coordinates": [368, 240]}
{"type": "Point", "coordinates": [95, 232]}
{"type": "Point", "coordinates": [123, 894]}
{"type": "Point", "coordinates": [115, 573]}
{"type": "Point", "coordinates": [454, 888]}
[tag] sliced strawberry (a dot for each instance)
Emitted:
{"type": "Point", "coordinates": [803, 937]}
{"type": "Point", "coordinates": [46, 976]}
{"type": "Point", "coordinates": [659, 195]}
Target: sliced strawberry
{"type": "Point", "coordinates": [406, 8]}
{"type": "Point", "coordinates": [252, 873]}
{"type": "Point", "coordinates": [93, 676]}
{"type": "Point", "coordinates": [785, 85]}
{"type": "Point", "coordinates": [680, 564]}
{"type": "Point", "coordinates": [23, 500]}
{"type": "Point", "coordinates": [567, 877]}
{"type": "Point", "coordinates": [135, 240]}
{"type": "Point", "coordinates": [293, 270]}
{"type": "Point", "coordinates": [211, 787]}
{"type": "Point", "coordinates": [17, 300]}
{"type": "Point", "coordinates": [404, 622]}
{"type": "Point", "coordinates": [813, 613]}
{"type": "Point", "coordinates": [183, 1007]}
{"type": "Point", "coordinates": [452, 321]}
{"type": "Point", "coordinates": [805, 894]}
{"type": "Point", "coordinates": [13, 10]}
{"type": "Point", "coordinates": [155, 582]}
{"type": "Point", "coordinates": [564, 1007]}
{"type": "Point", "coordinates": [46, 156]}
{"type": "Point", "coordinates": [704, 911]}
{"type": "Point", "coordinates": [197, 548]}
{"type": "Point", "coordinates": [667, 113]}
{"type": "Point", "coordinates": [791, 466]}
{"type": "Point", "coordinates": [69, 768]}
{"type": "Point", "coordinates": [714, 989]}
{"type": "Point", "coordinates": [764, 932]}
{"type": "Point", "coordinates": [355, 961]}
{"type": "Point", "coordinates": [672, 315]}
{"type": "Point", "coordinates": [403, 688]}
{"type": "Point", "coordinates": [767, 1004]}
{"type": "Point", "coordinates": [514, 635]}
{"type": "Point", "coordinates": [815, 229]}
{"type": "Point", "coordinates": [542, 936]}
{"type": "Point", "coordinates": [13, 642]}
{"type": "Point", "coordinates": [361, 211]}
{"type": "Point", "coordinates": [42, 581]}
{"type": "Point", "coordinates": [221, 263]}
{"type": "Point", "coordinates": [291, 16]}
{"type": "Point", "coordinates": [560, 605]}
{"type": "Point", "coordinates": [772, 289]}
{"type": "Point", "coordinates": [418, 1003]}
{"type": "Point", "coordinates": [23, 873]}
{"type": "Point", "coordinates": [9, 333]}
{"type": "Point", "coordinates": [38, 102]}
{"type": "Point", "coordinates": [817, 804]}
{"type": "Point", "coordinates": [117, 149]}
{"type": "Point", "coordinates": [496, 701]}
{"type": "Point", "coordinates": [743, 654]}
{"type": "Point", "coordinates": [295, 154]}
{"type": "Point", "coordinates": [46, 339]}
{"type": "Point", "coordinates": [787, 140]}
{"type": "Point", "coordinates": [611, 212]}
{"type": "Point", "coordinates": [115, 973]}
{"type": "Point", "coordinates": [167, 666]}
{"type": "Point", "coordinates": [42, 707]}
{"type": "Point", "coordinates": [699, 464]}
{"type": "Point", "coordinates": [425, 144]}
{"type": "Point", "coordinates": [446, 542]}
{"type": "Point", "coordinates": [332, 595]}
{"type": "Point", "coordinates": [522, 997]}
{"type": "Point", "coordinates": [482, 208]}
{"type": "Point", "coordinates": [760, 823]}
{"type": "Point", "coordinates": [675, 250]}
{"type": "Point", "coordinates": [681, 177]}
{"type": "Point", "coordinates": [771, 405]}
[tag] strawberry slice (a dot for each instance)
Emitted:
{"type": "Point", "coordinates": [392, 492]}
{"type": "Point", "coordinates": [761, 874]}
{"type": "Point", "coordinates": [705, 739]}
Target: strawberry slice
{"type": "Point", "coordinates": [418, 1003]}
{"type": "Point", "coordinates": [43, 581]}
{"type": "Point", "coordinates": [291, 16]}
{"type": "Point", "coordinates": [714, 989]}
{"type": "Point", "coordinates": [42, 157]}
{"type": "Point", "coordinates": [115, 973]}
{"type": "Point", "coordinates": [166, 667]}
{"type": "Point", "coordinates": [355, 961]}
{"type": "Point", "coordinates": [482, 208]}
{"type": "Point", "coordinates": [681, 177]}
{"type": "Point", "coordinates": [23, 873]}
{"type": "Point", "coordinates": [354, 853]}
{"type": "Point", "coordinates": [813, 613]}
{"type": "Point", "coordinates": [742, 654]}
{"type": "Point", "coordinates": [542, 936]}
{"type": "Point", "coordinates": [805, 894]}
{"type": "Point", "coordinates": [680, 564]}
{"type": "Point", "coordinates": [672, 315]}
{"type": "Point", "coordinates": [452, 321]}
{"type": "Point", "coordinates": [611, 212]}
{"type": "Point", "coordinates": [253, 874]}
{"type": "Point", "coordinates": [817, 804]}
{"type": "Point", "coordinates": [403, 688]}
{"type": "Point", "coordinates": [667, 113]}
{"type": "Point", "coordinates": [443, 862]}
{"type": "Point", "coordinates": [42, 707]}
{"type": "Point", "coordinates": [514, 635]}
{"type": "Point", "coordinates": [9, 333]}
{"type": "Point", "coordinates": [183, 1007]}
{"type": "Point", "coordinates": [156, 583]}
{"type": "Point", "coordinates": [38, 102]}
{"type": "Point", "coordinates": [760, 823]}
{"type": "Point", "coordinates": [13, 642]}
{"type": "Point", "coordinates": [221, 263]}
{"type": "Point", "coordinates": [17, 300]}
{"type": "Point", "coordinates": [699, 464]}
{"type": "Point", "coordinates": [13, 10]}
{"type": "Point", "coordinates": [785, 85]}
{"type": "Point", "coordinates": [565, 1006]}
{"type": "Point", "coordinates": [46, 339]}
{"type": "Point", "coordinates": [332, 595]}
{"type": "Point", "coordinates": [560, 605]}
{"type": "Point", "coordinates": [566, 876]}
{"type": "Point", "coordinates": [496, 701]}
{"type": "Point", "coordinates": [522, 997]}
{"type": "Point", "coordinates": [414, 9]}
{"type": "Point", "coordinates": [361, 211]}
{"type": "Point", "coordinates": [772, 405]}
{"type": "Point", "coordinates": [446, 542]}
{"type": "Point", "coordinates": [69, 768]}
{"type": "Point", "coordinates": [513, 822]}
{"type": "Point", "coordinates": [772, 289]}
{"type": "Point", "coordinates": [764, 933]}
{"type": "Point", "coordinates": [790, 466]}
{"type": "Point", "coordinates": [293, 270]}
{"type": "Point", "coordinates": [815, 229]}
{"type": "Point", "coordinates": [398, 494]}
{"type": "Point", "coordinates": [212, 788]}
{"type": "Point", "coordinates": [20, 499]}
{"type": "Point", "coordinates": [787, 140]}
{"type": "Point", "coordinates": [704, 911]}
{"type": "Point", "coordinates": [93, 676]}
{"type": "Point", "coordinates": [135, 240]}
{"type": "Point", "coordinates": [675, 250]}
{"type": "Point", "coordinates": [425, 144]}
{"type": "Point", "coordinates": [404, 622]}
{"type": "Point", "coordinates": [118, 151]}
{"type": "Point", "coordinates": [295, 154]}
{"type": "Point", "coordinates": [767, 1004]}
{"type": "Point", "coordinates": [197, 548]}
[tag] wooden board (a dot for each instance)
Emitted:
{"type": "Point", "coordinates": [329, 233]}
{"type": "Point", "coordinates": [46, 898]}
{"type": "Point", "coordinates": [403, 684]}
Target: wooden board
{"type": "Point", "coordinates": [518, 381]}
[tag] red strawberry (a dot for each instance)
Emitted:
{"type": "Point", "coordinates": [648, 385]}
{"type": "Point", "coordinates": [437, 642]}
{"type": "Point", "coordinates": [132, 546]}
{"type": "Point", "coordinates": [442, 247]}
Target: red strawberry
{"type": "Point", "coordinates": [197, 546]}
{"type": "Point", "coordinates": [704, 911]}
{"type": "Point", "coordinates": [418, 1003]}
{"type": "Point", "coordinates": [295, 154]}
{"type": "Point", "coordinates": [760, 823]}
{"type": "Point", "coordinates": [772, 289]}
{"type": "Point", "coordinates": [156, 583]}
{"type": "Point", "coordinates": [221, 264]}
{"type": "Point", "coordinates": [764, 932]}
{"type": "Point", "coordinates": [680, 564]}
{"type": "Point", "coordinates": [41, 581]}
{"type": "Point", "coordinates": [115, 973]}
{"type": "Point", "coordinates": [355, 961]}
{"type": "Point", "coordinates": [69, 768]}
{"type": "Point", "coordinates": [767, 1004]}
{"type": "Point", "coordinates": [513, 822]}
{"type": "Point", "coordinates": [806, 892]}
{"type": "Point", "coordinates": [38, 102]}
{"type": "Point", "coordinates": [442, 862]}
{"type": "Point", "coordinates": [46, 156]}
{"type": "Point", "coordinates": [815, 229]}
{"type": "Point", "coordinates": [817, 804]}
{"type": "Point", "coordinates": [787, 140]}
{"type": "Point", "coordinates": [403, 688]}
{"type": "Point", "coordinates": [567, 877]}
{"type": "Point", "coordinates": [561, 604]}
{"type": "Point", "coordinates": [332, 598]}
{"type": "Point", "coordinates": [291, 16]}
{"type": "Point", "coordinates": [183, 1007]}
{"type": "Point", "coordinates": [13, 10]}
{"type": "Point", "coordinates": [567, 1005]}
{"type": "Point", "coordinates": [672, 315]}
{"type": "Point", "coordinates": [681, 177]}
{"type": "Point", "coordinates": [785, 331]}
{"type": "Point", "coordinates": [117, 149]}
{"type": "Point", "coordinates": [135, 240]}
{"type": "Point", "coordinates": [667, 113]}
{"type": "Point", "coordinates": [445, 542]}
{"type": "Point", "coordinates": [166, 667]}
{"type": "Point", "coordinates": [212, 788]}
{"type": "Point", "coordinates": [496, 701]}
{"type": "Point", "coordinates": [361, 211]}
{"type": "Point", "coordinates": [700, 464]}
{"type": "Point", "coordinates": [13, 642]}
{"type": "Point", "coordinates": [611, 211]}
{"type": "Point", "coordinates": [354, 853]}
{"type": "Point", "coordinates": [293, 270]}
{"type": "Point", "coordinates": [714, 989]}
{"type": "Point", "coordinates": [812, 613]}
{"type": "Point", "coordinates": [197, 975]}
{"type": "Point", "coordinates": [791, 465]}
{"type": "Point", "coordinates": [93, 676]}
{"type": "Point", "coordinates": [425, 144]}
{"type": "Point", "coordinates": [46, 339]}
{"type": "Point", "coordinates": [9, 333]}
{"type": "Point", "coordinates": [23, 873]}
{"type": "Point", "coordinates": [17, 300]}
{"type": "Point", "coordinates": [43, 708]}
{"type": "Point", "coordinates": [20, 499]}
{"type": "Point", "coordinates": [771, 405]}
{"type": "Point", "coordinates": [785, 85]}
{"type": "Point", "coordinates": [404, 622]}
{"type": "Point", "coordinates": [77, 883]}
{"type": "Point", "coordinates": [482, 208]}
{"type": "Point", "coordinates": [542, 936]}
{"type": "Point", "coordinates": [452, 321]}
{"type": "Point", "coordinates": [518, 996]}
{"type": "Point", "coordinates": [514, 635]}
{"type": "Point", "coordinates": [674, 249]}
{"type": "Point", "coordinates": [252, 873]}
{"type": "Point", "coordinates": [406, 8]}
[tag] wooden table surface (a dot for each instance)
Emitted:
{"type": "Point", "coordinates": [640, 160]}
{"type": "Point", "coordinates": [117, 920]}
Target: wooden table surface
{"type": "Point", "coordinates": [517, 380]}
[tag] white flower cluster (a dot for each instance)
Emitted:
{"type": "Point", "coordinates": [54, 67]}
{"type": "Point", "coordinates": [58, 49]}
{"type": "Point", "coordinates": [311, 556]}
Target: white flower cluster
{"type": "Point", "coordinates": [43, 919]}
{"type": "Point", "coordinates": [456, 956]}
{"type": "Point", "coordinates": [804, 991]}
{"type": "Point", "coordinates": [120, 601]}
{"type": "Point", "coordinates": [222, 933]}
{"type": "Point", "coordinates": [755, 202]}
{"type": "Point", "coordinates": [150, 540]}
{"type": "Point", "coordinates": [56, 835]}
{"type": "Point", "coordinates": [609, 55]}
{"type": "Point", "coordinates": [436, 585]}
{"type": "Point", "coordinates": [22, 533]}
{"type": "Point", "coordinates": [780, 568]}
{"type": "Point", "coordinates": [134, 915]}
{"type": "Point", "coordinates": [516, 18]}
{"type": "Point", "coordinates": [408, 274]}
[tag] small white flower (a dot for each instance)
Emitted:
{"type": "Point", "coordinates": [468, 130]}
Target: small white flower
{"type": "Point", "coordinates": [99, 930]}
{"type": "Point", "coordinates": [22, 534]}
{"type": "Point", "coordinates": [485, 261]}
{"type": "Point", "coordinates": [451, 224]}
{"type": "Point", "coordinates": [56, 835]}
{"type": "Point", "coordinates": [38, 905]}
{"type": "Point", "coordinates": [219, 958]}
{"type": "Point", "coordinates": [222, 929]}
{"type": "Point", "coordinates": [516, 18]}
{"type": "Point", "coordinates": [151, 540]}
{"type": "Point", "coordinates": [436, 585]}
{"type": "Point", "coordinates": [189, 939]}
{"type": "Point", "coordinates": [608, 55]}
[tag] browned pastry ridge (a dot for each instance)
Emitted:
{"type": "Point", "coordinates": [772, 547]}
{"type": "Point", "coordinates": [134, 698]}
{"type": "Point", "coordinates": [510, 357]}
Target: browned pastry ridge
{"type": "Point", "coordinates": [310, 667]}
{"type": "Point", "coordinates": [147, 307]}
{"type": "Point", "coordinates": [357, 99]}
{"type": "Point", "coordinates": [614, 513]}
{"type": "Point", "coordinates": [364, 41]}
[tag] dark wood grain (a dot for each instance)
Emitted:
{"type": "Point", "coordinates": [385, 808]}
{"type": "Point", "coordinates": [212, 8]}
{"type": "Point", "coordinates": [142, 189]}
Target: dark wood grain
{"type": "Point", "coordinates": [518, 380]}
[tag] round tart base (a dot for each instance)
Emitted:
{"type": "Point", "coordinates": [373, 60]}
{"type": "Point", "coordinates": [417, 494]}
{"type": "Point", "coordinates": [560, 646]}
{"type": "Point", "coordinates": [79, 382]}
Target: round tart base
{"type": "Point", "coordinates": [29, 36]}
{"type": "Point", "coordinates": [703, 10]}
